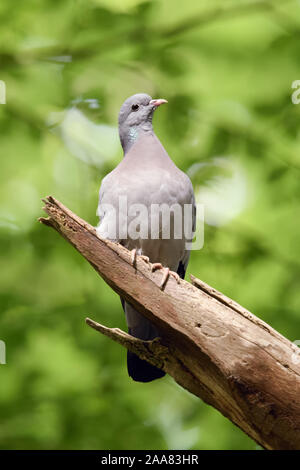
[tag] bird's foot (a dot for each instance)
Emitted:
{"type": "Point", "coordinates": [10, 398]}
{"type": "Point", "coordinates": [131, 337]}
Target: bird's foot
{"type": "Point", "coordinates": [156, 266]}
{"type": "Point", "coordinates": [165, 277]}
{"type": "Point", "coordinates": [145, 258]}
{"type": "Point", "coordinates": [176, 276]}
{"type": "Point", "coordinates": [133, 257]}
{"type": "Point", "coordinates": [167, 273]}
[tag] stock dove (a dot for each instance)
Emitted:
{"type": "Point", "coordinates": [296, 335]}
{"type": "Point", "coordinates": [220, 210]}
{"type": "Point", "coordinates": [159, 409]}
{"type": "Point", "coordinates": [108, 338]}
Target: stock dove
{"type": "Point", "coordinates": [148, 177]}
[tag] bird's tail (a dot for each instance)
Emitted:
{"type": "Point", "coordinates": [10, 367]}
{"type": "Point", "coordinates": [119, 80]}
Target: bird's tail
{"type": "Point", "coordinates": [139, 327]}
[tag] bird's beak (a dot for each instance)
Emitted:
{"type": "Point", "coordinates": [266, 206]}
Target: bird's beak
{"type": "Point", "coordinates": [157, 102]}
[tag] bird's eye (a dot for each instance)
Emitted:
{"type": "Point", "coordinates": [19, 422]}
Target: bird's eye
{"type": "Point", "coordinates": [135, 107]}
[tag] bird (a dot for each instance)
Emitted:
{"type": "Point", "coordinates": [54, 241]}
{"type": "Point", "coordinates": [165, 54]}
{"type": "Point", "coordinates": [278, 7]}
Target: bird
{"type": "Point", "coordinates": [146, 176]}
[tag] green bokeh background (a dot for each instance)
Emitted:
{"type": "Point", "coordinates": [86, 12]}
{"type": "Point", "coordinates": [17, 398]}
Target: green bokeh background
{"type": "Point", "coordinates": [226, 68]}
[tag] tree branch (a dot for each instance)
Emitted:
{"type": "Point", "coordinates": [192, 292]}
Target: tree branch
{"type": "Point", "coordinates": [209, 344]}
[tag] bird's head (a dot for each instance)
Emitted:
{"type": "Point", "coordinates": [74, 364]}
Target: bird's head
{"type": "Point", "coordinates": [136, 116]}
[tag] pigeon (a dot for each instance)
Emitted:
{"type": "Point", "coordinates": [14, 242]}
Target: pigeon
{"type": "Point", "coordinates": [146, 176]}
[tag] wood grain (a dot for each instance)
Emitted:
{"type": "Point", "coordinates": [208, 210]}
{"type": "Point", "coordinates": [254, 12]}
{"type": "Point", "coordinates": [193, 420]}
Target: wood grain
{"type": "Point", "coordinates": [209, 344]}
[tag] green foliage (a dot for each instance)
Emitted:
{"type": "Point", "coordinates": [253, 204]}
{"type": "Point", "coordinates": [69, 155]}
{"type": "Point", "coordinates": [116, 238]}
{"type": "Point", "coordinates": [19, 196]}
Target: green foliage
{"type": "Point", "coordinates": [226, 69]}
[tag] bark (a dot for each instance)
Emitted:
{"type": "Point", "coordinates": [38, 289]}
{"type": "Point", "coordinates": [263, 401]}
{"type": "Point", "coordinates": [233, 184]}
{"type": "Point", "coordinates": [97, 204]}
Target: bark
{"type": "Point", "coordinates": [209, 344]}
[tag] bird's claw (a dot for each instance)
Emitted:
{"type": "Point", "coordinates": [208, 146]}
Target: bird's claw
{"type": "Point", "coordinates": [176, 276]}
{"type": "Point", "coordinates": [165, 277]}
{"type": "Point", "coordinates": [156, 266]}
{"type": "Point", "coordinates": [133, 257]}
{"type": "Point", "coordinates": [145, 258]}
{"type": "Point", "coordinates": [167, 273]}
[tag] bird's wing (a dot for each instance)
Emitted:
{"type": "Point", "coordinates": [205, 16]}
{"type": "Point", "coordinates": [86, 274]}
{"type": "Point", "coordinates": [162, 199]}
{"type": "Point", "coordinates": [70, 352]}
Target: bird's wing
{"type": "Point", "coordinates": [183, 263]}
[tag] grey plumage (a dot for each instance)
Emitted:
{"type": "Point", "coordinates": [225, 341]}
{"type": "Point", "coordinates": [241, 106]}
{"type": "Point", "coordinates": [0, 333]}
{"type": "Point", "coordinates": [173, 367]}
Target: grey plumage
{"type": "Point", "coordinates": [147, 176]}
